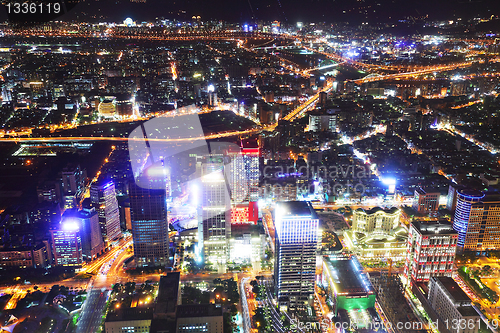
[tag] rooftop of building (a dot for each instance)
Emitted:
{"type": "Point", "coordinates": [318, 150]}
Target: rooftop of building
{"type": "Point", "coordinates": [102, 183]}
{"type": "Point", "coordinates": [467, 311]}
{"type": "Point", "coordinates": [163, 325]}
{"type": "Point", "coordinates": [434, 227]}
{"type": "Point", "coordinates": [453, 288]}
{"type": "Point", "coordinates": [426, 190]}
{"type": "Point", "coordinates": [467, 192]}
{"type": "Point", "coordinates": [491, 198]}
{"type": "Point", "coordinates": [80, 214]}
{"type": "Point", "coordinates": [238, 230]}
{"type": "Point", "coordinates": [374, 210]}
{"type": "Point", "coordinates": [249, 143]}
{"type": "Point", "coordinates": [198, 310]}
{"type": "Point", "coordinates": [323, 112]}
{"type": "Point", "coordinates": [476, 195]}
{"type": "Point", "coordinates": [136, 313]}
{"type": "Point", "coordinates": [168, 293]}
{"type": "Point", "coordinates": [295, 208]}
{"type": "Point", "coordinates": [348, 277]}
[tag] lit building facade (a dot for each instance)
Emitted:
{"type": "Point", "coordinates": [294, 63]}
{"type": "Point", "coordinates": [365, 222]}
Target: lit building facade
{"type": "Point", "coordinates": [90, 231]}
{"type": "Point", "coordinates": [377, 234]}
{"type": "Point", "coordinates": [244, 173]}
{"type": "Point", "coordinates": [148, 213]}
{"type": "Point", "coordinates": [348, 285]}
{"type": "Point", "coordinates": [375, 220]}
{"type": "Point", "coordinates": [279, 191]}
{"type": "Point", "coordinates": [453, 305]}
{"type": "Point", "coordinates": [73, 181]}
{"type": "Point", "coordinates": [107, 108]}
{"type": "Point", "coordinates": [431, 250]}
{"type": "Point", "coordinates": [296, 225]}
{"type": "Point", "coordinates": [25, 257]}
{"type": "Point", "coordinates": [103, 197]}
{"type": "Point", "coordinates": [18, 258]}
{"type": "Point", "coordinates": [247, 246]}
{"type": "Point", "coordinates": [199, 318]}
{"type": "Point", "coordinates": [322, 122]}
{"type": "Point", "coordinates": [67, 244]}
{"type": "Point", "coordinates": [426, 201]}
{"type": "Point", "coordinates": [134, 319]}
{"type": "Point", "coordinates": [215, 224]}
{"type": "Point", "coordinates": [477, 221]}
{"type": "Point", "coordinates": [244, 213]}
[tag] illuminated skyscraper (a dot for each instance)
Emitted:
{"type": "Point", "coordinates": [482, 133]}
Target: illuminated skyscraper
{"type": "Point", "coordinates": [477, 221]}
{"type": "Point", "coordinates": [103, 198]}
{"type": "Point", "coordinates": [67, 244]}
{"type": "Point", "coordinates": [148, 212]}
{"type": "Point", "coordinates": [244, 173]}
{"type": "Point", "coordinates": [214, 226]}
{"type": "Point", "coordinates": [73, 182]}
{"type": "Point", "coordinates": [431, 250]}
{"type": "Point", "coordinates": [90, 231]}
{"type": "Point", "coordinates": [296, 225]}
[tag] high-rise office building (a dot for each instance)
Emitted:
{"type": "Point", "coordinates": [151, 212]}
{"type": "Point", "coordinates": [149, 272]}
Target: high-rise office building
{"type": "Point", "coordinates": [477, 220]}
{"type": "Point", "coordinates": [453, 305]}
{"type": "Point", "coordinates": [451, 200]}
{"type": "Point", "coordinates": [67, 244]}
{"type": "Point", "coordinates": [148, 212]}
{"type": "Point", "coordinates": [214, 226]}
{"type": "Point", "coordinates": [244, 173]}
{"type": "Point", "coordinates": [103, 197]}
{"type": "Point", "coordinates": [73, 181]}
{"type": "Point", "coordinates": [90, 231]}
{"type": "Point", "coordinates": [319, 121]}
{"type": "Point", "coordinates": [431, 250]}
{"type": "Point", "coordinates": [296, 225]}
{"type": "Point", "coordinates": [426, 201]}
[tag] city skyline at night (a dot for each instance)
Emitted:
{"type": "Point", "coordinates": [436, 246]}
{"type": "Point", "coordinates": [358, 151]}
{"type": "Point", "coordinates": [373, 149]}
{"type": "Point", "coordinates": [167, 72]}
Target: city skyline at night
{"type": "Point", "coordinates": [250, 167]}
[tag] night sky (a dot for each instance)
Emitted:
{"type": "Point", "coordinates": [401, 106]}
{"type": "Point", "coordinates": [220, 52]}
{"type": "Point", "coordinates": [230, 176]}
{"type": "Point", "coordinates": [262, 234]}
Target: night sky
{"type": "Point", "coordinates": [290, 11]}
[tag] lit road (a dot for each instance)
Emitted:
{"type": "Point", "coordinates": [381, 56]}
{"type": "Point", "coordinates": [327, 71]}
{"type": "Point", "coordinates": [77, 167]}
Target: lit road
{"type": "Point", "coordinates": [247, 324]}
{"type": "Point", "coordinates": [409, 69]}
{"type": "Point", "coordinates": [163, 35]}
{"type": "Point", "coordinates": [483, 145]}
{"type": "Point", "coordinates": [19, 291]}
{"type": "Point", "coordinates": [269, 227]}
{"type": "Point", "coordinates": [268, 303]}
{"type": "Point", "coordinates": [324, 309]}
{"type": "Point", "coordinates": [307, 104]}
{"type": "Point", "coordinates": [95, 265]}
{"type": "Point", "coordinates": [431, 70]}
{"type": "Point", "coordinates": [108, 138]}
{"type": "Point", "coordinates": [18, 294]}
{"type": "Point", "coordinates": [91, 316]}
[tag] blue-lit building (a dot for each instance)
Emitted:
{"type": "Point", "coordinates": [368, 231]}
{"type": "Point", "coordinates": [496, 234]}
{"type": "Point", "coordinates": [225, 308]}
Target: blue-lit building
{"type": "Point", "coordinates": [67, 244]}
{"type": "Point", "coordinates": [90, 232]}
{"type": "Point", "coordinates": [477, 220]}
{"type": "Point", "coordinates": [103, 196]}
{"type": "Point", "coordinates": [348, 285]}
{"type": "Point", "coordinates": [296, 225]}
{"type": "Point", "coordinates": [465, 199]}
